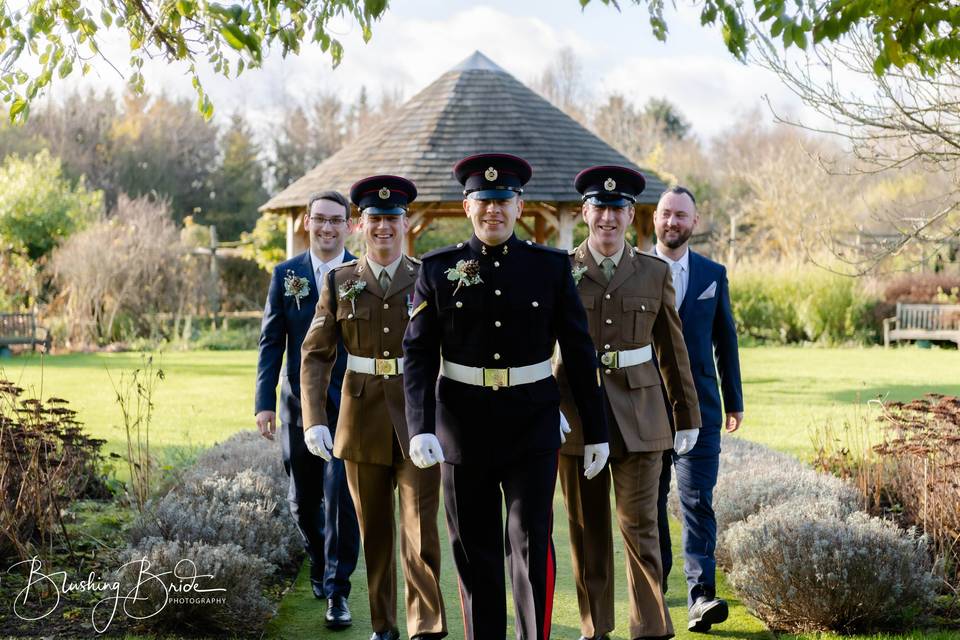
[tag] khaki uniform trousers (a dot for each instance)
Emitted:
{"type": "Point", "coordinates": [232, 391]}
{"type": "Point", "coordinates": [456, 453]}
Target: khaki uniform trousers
{"type": "Point", "coordinates": [635, 477]}
{"type": "Point", "coordinates": [372, 488]}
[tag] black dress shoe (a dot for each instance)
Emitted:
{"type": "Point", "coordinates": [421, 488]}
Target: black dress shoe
{"type": "Point", "coordinates": [317, 587]}
{"type": "Point", "coordinates": [391, 634]}
{"type": "Point", "coordinates": [603, 637]}
{"type": "Point", "coordinates": [429, 636]}
{"type": "Point", "coordinates": [338, 613]}
{"type": "Point", "coordinates": [707, 612]}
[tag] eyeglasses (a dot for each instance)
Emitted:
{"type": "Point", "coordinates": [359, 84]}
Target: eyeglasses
{"type": "Point", "coordinates": [333, 222]}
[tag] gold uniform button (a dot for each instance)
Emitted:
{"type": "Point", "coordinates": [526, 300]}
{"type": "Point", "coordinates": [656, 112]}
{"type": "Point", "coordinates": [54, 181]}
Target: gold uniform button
{"type": "Point", "coordinates": [459, 245]}
{"type": "Point", "coordinates": [459, 304]}
{"type": "Point", "coordinates": [608, 372]}
{"type": "Point", "coordinates": [496, 292]}
{"type": "Point", "coordinates": [496, 323]}
{"type": "Point", "coordinates": [386, 306]}
{"type": "Point", "coordinates": [536, 304]}
{"type": "Point", "coordinates": [496, 356]}
{"type": "Point", "coordinates": [606, 346]}
{"type": "Point", "coordinates": [643, 307]}
{"type": "Point", "coordinates": [386, 329]}
{"type": "Point", "coordinates": [607, 297]}
{"type": "Point", "coordinates": [494, 387]}
{"type": "Point", "coordinates": [530, 242]}
{"type": "Point", "coordinates": [349, 316]}
{"type": "Point", "coordinates": [386, 354]}
{"type": "Point", "coordinates": [608, 321]}
{"type": "Point", "coordinates": [496, 263]}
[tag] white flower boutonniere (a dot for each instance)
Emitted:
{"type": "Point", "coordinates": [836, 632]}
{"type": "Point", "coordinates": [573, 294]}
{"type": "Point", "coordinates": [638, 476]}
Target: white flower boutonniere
{"type": "Point", "coordinates": [466, 273]}
{"type": "Point", "coordinates": [578, 272]}
{"type": "Point", "coordinates": [350, 289]}
{"type": "Point", "coordinates": [294, 285]}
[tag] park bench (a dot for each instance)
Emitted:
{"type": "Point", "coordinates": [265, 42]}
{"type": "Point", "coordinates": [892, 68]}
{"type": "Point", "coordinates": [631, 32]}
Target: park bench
{"type": "Point", "coordinates": [923, 322]}
{"type": "Point", "coordinates": [22, 328]}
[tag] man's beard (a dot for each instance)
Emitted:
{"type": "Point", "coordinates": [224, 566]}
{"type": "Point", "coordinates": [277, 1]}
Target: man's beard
{"type": "Point", "coordinates": [682, 236]}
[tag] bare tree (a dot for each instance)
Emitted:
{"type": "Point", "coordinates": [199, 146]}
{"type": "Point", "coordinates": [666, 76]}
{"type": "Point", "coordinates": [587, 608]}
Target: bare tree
{"type": "Point", "coordinates": [906, 127]}
{"type": "Point", "coordinates": [128, 266]}
{"type": "Point", "coordinates": [562, 84]}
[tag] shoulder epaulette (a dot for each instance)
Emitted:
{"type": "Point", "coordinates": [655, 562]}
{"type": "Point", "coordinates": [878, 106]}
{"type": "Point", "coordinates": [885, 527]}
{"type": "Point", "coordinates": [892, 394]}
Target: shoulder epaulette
{"type": "Point", "coordinates": [348, 263]}
{"type": "Point", "coordinates": [652, 256]}
{"type": "Point", "coordinates": [543, 247]}
{"type": "Point", "coordinates": [442, 250]}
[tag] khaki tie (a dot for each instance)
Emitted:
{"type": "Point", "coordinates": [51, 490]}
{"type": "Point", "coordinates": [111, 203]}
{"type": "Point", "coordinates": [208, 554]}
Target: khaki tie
{"type": "Point", "coordinates": [608, 268]}
{"type": "Point", "coordinates": [384, 280]}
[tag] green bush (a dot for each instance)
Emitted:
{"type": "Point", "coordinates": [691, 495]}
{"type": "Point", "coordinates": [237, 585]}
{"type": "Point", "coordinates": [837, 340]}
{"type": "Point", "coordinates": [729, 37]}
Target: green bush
{"type": "Point", "coordinates": [787, 304]}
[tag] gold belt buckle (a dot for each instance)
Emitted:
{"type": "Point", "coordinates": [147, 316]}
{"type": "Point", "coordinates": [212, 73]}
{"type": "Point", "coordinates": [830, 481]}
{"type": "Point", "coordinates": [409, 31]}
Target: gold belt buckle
{"type": "Point", "coordinates": [496, 377]}
{"type": "Point", "coordinates": [610, 359]}
{"type": "Point", "coordinates": [386, 367]}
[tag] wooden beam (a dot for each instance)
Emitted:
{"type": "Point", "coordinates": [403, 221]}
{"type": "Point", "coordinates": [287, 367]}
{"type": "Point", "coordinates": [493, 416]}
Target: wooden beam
{"type": "Point", "coordinates": [526, 227]}
{"type": "Point", "coordinates": [540, 229]}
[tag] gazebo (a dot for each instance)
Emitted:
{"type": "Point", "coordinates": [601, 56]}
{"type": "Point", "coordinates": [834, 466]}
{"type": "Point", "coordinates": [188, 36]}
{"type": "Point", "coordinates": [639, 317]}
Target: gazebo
{"type": "Point", "coordinates": [475, 107]}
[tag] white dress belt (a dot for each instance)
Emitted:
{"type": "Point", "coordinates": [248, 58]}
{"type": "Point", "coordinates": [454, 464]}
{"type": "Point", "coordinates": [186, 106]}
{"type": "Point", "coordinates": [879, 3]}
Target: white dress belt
{"type": "Point", "coordinates": [629, 358]}
{"type": "Point", "coordinates": [375, 366]}
{"type": "Point", "coordinates": [496, 378]}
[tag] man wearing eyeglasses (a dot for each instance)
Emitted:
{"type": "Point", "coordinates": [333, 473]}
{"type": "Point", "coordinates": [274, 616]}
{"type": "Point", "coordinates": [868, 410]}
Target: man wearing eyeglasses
{"type": "Point", "coordinates": [629, 300]}
{"type": "Point", "coordinates": [318, 495]}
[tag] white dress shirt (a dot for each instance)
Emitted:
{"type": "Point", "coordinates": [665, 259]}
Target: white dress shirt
{"type": "Point", "coordinates": [680, 269]}
{"type": "Point", "coordinates": [321, 268]}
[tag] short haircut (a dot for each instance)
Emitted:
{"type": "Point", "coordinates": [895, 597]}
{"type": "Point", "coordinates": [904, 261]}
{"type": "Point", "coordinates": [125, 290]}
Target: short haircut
{"type": "Point", "coordinates": [332, 196]}
{"type": "Point", "coordinates": [680, 190]}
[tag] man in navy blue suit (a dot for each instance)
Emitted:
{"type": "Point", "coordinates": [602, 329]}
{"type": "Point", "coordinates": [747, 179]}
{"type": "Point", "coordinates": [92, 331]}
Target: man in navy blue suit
{"type": "Point", "coordinates": [703, 300]}
{"type": "Point", "coordinates": [318, 495]}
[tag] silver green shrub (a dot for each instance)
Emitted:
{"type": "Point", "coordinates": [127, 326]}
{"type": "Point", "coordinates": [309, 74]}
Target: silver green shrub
{"type": "Point", "coordinates": [806, 566]}
{"type": "Point", "coordinates": [243, 509]}
{"type": "Point", "coordinates": [192, 587]}
{"type": "Point", "coordinates": [242, 451]}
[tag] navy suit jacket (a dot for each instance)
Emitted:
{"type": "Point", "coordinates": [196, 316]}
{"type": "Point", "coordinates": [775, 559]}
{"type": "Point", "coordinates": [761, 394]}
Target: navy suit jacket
{"type": "Point", "coordinates": [284, 327]}
{"type": "Point", "coordinates": [711, 338]}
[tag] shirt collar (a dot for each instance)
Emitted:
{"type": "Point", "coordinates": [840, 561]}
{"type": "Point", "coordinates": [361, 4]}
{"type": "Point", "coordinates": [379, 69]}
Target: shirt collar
{"type": "Point", "coordinates": [684, 260]}
{"type": "Point", "coordinates": [316, 261]}
{"type": "Point", "coordinates": [377, 268]}
{"type": "Point", "coordinates": [599, 257]}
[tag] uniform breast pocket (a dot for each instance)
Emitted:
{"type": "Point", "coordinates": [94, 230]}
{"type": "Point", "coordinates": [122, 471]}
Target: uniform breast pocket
{"type": "Point", "coordinates": [589, 303]}
{"type": "Point", "coordinates": [354, 324]}
{"type": "Point", "coordinates": [536, 316]}
{"type": "Point", "coordinates": [639, 314]}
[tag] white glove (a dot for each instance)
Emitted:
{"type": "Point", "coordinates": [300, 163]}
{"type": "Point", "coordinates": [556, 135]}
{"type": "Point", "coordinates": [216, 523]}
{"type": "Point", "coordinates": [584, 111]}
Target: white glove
{"type": "Point", "coordinates": [319, 442]}
{"type": "Point", "coordinates": [425, 450]}
{"type": "Point", "coordinates": [594, 457]}
{"type": "Point", "coordinates": [685, 440]}
{"type": "Point", "coordinates": [564, 428]}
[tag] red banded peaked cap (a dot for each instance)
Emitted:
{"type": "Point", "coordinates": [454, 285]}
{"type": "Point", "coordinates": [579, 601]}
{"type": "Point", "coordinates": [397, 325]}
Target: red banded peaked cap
{"type": "Point", "coordinates": [383, 195]}
{"type": "Point", "coordinates": [492, 175]}
{"type": "Point", "coordinates": [609, 184]}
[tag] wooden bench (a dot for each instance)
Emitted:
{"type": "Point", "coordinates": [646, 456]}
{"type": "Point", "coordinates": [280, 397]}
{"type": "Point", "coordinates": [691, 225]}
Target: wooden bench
{"type": "Point", "coordinates": [923, 322]}
{"type": "Point", "coordinates": [22, 328]}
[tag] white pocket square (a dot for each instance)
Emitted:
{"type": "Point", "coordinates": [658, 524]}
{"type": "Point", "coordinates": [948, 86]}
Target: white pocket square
{"type": "Point", "coordinates": [709, 292]}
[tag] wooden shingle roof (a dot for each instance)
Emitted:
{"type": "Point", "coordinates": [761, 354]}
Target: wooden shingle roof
{"type": "Point", "coordinates": [476, 107]}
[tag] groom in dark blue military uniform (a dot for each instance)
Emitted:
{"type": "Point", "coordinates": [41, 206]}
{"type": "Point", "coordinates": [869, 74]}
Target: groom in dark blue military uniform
{"type": "Point", "coordinates": [486, 316]}
{"type": "Point", "coordinates": [318, 496]}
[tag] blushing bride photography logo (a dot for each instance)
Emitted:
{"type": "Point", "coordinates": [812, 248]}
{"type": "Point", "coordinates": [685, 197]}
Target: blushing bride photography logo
{"type": "Point", "coordinates": [134, 590]}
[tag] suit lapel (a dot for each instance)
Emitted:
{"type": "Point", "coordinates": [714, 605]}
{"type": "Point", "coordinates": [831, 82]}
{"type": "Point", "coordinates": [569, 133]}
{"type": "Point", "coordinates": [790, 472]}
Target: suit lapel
{"type": "Point", "coordinates": [693, 284]}
{"type": "Point", "coordinates": [306, 269]}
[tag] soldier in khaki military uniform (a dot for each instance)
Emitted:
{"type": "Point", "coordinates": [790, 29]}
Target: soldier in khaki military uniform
{"type": "Point", "coordinates": [629, 299]}
{"type": "Point", "coordinates": [367, 302]}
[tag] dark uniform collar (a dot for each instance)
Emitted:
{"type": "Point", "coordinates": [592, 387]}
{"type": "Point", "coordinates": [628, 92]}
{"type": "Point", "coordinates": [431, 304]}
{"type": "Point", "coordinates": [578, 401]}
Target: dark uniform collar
{"type": "Point", "coordinates": [494, 250]}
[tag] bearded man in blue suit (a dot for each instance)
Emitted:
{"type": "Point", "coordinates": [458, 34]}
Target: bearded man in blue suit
{"type": "Point", "coordinates": [703, 301]}
{"type": "Point", "coordinates": [318, 495]}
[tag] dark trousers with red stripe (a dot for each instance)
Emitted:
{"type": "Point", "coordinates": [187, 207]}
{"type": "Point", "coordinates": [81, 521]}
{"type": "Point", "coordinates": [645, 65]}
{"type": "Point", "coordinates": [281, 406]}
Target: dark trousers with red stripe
{"type": "Point", "coordinates": [474, 496]}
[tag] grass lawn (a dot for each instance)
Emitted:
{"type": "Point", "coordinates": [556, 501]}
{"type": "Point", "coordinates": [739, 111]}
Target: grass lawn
{"type": "Point", "coordinates": [207, 396]}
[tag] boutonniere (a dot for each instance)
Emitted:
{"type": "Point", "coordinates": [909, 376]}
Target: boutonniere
{"type": "Point", "coordinates": [578, 272]}
{"type": "Point", "coordinates": [350, 289]}
{"type": "Point", "coordinates": [466, 273]}
{"type": "Point", "coordinates": [294, 285]}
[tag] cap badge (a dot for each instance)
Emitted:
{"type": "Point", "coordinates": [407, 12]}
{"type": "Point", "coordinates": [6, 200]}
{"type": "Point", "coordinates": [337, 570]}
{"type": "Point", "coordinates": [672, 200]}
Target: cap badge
{"type": "Point", "coordinates": [610, 184]}
{"type": "Point", "coordinates": [384, 193]}
{"type": "Point", "coordinates": [490, 174]}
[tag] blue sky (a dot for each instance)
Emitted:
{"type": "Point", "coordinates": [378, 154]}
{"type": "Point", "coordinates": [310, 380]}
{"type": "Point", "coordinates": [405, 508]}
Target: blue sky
{"type": "Point", "coordinates": [418, 40]}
